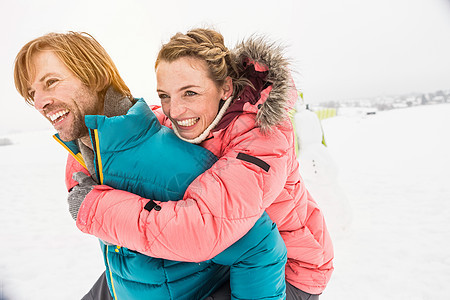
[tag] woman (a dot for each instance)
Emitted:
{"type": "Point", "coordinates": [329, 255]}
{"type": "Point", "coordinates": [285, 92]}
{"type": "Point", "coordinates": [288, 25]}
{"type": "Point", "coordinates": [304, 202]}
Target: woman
{"type": "Point", "coordinates": [134, 152]}
{"type": "Point", "coordinates": [234, 104]}
{"type": "Point", "coordinates": [122, 144]}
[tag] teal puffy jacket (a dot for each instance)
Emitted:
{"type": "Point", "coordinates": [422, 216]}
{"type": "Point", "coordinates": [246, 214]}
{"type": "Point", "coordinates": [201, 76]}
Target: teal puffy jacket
{"type": "Point", "coordinates": [136, 153]}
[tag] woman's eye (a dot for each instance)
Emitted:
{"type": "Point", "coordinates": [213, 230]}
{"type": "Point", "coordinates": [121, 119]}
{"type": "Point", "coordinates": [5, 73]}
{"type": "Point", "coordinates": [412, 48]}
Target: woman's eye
{"type": "Point", "coordinates": [163, 96]}
{"type": "Point", "coordinates": [190, 93]}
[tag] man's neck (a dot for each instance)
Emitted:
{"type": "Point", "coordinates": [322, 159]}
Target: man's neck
{"type": "Point", "coordinates": [87, 141]}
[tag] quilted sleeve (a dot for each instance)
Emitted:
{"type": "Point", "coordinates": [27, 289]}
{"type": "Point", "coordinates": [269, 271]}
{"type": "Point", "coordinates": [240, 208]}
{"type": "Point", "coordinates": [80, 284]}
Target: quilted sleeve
{"type": "Point", "coordinates": [218, 208]}
{"type": "Point", "coordinates": [73, 166]}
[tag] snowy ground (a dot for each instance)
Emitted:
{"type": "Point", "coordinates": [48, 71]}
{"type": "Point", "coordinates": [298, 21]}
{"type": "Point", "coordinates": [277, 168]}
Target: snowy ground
{"type": "Point", "coordinates": [393, 167]}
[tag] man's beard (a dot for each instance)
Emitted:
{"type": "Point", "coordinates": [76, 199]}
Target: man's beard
{"type": "Point", "coordinates": [78, 130]}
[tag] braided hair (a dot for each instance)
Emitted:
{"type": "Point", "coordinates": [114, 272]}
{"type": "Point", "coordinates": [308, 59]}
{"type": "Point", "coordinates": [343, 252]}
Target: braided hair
{"type": "Point", "coordinates": [207, 45]}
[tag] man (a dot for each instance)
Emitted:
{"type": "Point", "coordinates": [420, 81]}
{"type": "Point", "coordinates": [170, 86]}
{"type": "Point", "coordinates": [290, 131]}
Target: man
{"type": "Point", "coordinates": [47, 80]}
{"type": "Point", "coordinates": [67, 77]}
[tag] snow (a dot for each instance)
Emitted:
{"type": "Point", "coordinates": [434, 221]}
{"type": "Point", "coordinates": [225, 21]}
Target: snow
{"type": "Point", "coordinates": [43, 255]}
{"type": "Point", "coordinates": [392, 169]}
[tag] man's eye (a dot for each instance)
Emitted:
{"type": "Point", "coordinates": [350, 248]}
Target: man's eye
{"type": "Point", "coordinates": [50, 82]}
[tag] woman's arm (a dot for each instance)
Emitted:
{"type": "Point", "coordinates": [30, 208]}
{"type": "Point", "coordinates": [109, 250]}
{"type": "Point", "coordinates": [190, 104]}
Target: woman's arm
{"type": "Point", "coordinates": [72, 166]}
{"type": "Point", "coordinates": [218, 208]}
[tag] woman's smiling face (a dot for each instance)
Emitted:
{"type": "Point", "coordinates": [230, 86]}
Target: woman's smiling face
{"type": "Point", "coordinates": [189, 97]}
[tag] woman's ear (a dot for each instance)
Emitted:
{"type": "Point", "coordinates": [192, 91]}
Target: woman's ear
{"type": "Point", "coordinates": [227, 88]}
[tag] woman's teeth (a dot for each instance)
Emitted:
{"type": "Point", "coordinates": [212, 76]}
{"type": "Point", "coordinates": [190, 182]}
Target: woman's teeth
{"type": "Point", "coordinates": [188, 122]}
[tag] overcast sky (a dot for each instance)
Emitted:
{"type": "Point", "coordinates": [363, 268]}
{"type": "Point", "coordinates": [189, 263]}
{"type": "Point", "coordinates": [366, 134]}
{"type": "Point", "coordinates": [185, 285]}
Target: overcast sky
{"type": "Point", "coordinates": [340, 50]}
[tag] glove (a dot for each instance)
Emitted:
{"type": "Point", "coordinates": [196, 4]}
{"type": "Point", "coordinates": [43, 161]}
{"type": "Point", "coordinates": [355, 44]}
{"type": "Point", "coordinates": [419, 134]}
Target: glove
{"type": "Point", "coordinates": [79, 192]}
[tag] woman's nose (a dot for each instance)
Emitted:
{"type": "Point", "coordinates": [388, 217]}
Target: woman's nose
{"type": "Point", "coordinates": [177, 108]}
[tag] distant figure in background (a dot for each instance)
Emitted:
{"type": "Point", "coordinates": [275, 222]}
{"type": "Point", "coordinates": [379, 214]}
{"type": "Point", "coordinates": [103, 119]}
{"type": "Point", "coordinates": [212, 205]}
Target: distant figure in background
{"type": "Point", "coordinates": [319, 170]}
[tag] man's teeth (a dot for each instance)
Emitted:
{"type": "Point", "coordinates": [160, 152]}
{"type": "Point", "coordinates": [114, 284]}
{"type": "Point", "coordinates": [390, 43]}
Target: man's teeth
{"type": "Point", "coordinates": [188, 122]}
{"type": "Point", "coordinates": [61, 113]}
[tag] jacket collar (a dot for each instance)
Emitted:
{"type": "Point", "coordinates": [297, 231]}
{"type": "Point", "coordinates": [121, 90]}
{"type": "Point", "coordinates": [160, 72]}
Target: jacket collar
{"type": "Point", "coordinates": [115, 105]}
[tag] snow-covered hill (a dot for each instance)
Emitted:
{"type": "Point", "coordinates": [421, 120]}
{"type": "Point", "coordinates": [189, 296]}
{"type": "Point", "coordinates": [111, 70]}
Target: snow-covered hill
{"type": "Point", "coordinates": [393, 168]}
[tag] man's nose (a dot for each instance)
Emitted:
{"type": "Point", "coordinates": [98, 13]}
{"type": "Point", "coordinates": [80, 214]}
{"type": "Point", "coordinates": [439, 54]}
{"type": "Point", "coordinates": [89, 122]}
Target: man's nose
{"type": "Point", "coordinates": [41, 100]}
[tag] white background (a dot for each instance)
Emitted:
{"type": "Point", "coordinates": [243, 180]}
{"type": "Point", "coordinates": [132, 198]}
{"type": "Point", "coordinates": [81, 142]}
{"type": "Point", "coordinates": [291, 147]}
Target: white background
{"type": "Point", "coordinates": [340, 50]}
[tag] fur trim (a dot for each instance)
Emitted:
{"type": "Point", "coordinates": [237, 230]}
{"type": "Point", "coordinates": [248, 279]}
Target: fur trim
{"type": "Point", "coordinates": [275, 109]}
{"type": "Point", "coordinates": [211, 126]}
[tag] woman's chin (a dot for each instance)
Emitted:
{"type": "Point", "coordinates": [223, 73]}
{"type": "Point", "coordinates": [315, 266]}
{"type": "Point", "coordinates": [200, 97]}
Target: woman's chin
{"type": "Point", "coordinates": [190, 132]}
{"type": "Point", "coordinates": [186, 133]}
{"type": "Point", "coordinates": [188, 136]}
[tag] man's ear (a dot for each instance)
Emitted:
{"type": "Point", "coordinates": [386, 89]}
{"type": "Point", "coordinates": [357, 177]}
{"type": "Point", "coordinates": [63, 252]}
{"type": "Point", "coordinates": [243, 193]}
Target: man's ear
{"type": "Point", "coordinates": [103, 85]}
{"type": "Point", "coordinates": [102, 89]}
{"type": "Point", "coordinates": [227, 88]}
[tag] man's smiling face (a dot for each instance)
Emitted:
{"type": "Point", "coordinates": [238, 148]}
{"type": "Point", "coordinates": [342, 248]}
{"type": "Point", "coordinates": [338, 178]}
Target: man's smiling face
{"type": "Point", "coordinates": [61, 97]}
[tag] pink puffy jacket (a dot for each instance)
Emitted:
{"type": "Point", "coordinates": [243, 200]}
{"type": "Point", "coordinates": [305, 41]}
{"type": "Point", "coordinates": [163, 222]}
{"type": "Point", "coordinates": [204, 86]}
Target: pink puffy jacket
{"type": "Point", "coordinates": [257, 170]}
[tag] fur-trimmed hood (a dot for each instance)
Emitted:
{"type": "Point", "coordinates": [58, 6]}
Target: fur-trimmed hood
{"type": "Point", "coordinates": [271, 96]}
{"type": "Point", "coordinates": [268, 61]}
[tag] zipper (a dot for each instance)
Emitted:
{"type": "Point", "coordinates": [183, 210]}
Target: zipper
{"type": "Point", "coordinates": [99, 170]}
{"type": "Point", "coordinates": [110, 272]}
{"type": "Point", "coordinates": [98, 160]}
{"type": "Point", "coordinates": [77, 156]}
